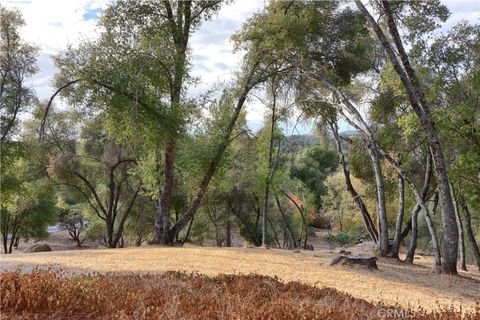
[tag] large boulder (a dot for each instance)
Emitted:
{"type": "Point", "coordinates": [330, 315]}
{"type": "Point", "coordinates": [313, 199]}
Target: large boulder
{"type": "Point", "coordinates": [363, 261]}
{"type": "Point", "coordinates": [38, 247]}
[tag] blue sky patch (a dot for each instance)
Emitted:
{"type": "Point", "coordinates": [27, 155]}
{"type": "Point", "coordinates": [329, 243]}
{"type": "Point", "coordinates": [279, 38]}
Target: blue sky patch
{"type": "Point", "coordinates": [92, 14]}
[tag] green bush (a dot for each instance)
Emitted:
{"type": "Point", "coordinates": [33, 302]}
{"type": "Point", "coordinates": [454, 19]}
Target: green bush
{"type": "Point", "coordinates": [342, 238]}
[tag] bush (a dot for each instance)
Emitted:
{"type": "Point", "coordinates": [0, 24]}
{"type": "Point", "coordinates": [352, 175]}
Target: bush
{"type": "Point", "coordinates": [96, 232]}
{"type": "Point", "coordinates": [175, 295]}
{"type": "Point", "coordinates": [341, 238]}
{"type": "Point", "coordinates": [319, 222]}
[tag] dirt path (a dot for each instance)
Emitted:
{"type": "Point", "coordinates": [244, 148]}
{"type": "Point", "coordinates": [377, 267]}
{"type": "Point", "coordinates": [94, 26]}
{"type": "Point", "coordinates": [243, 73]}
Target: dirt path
{"type": "Point", "coordinates": [413, 286]}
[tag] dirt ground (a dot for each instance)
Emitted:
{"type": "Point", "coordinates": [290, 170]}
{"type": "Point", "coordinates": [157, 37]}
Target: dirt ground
{"type": "Point", "coordinates": [416, 286]}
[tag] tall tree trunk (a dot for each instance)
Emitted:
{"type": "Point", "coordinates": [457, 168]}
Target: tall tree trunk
{"type": "Point", "coordinates": [4, 226]}
{"type": "Point", "coordinates": [381, 202]}
{"type": "Point", "coordinates": [17, 242]}
{"type": "Point", "coordinates": [421, 202]}
{"type": "Point", "coordinates": [461, 237]}
{"type": "Point", "coordinates": [180, 24]}
{"type": "Point", "coordinates": [401, 212]}
{"type": "Point", "coordinates": [406, 229]}
{"type": "Point", "coordinates": [470, 235]}
{"type": "Point", "coordinates": [412, 246]}
{"type": "Point", "coordinates": [269, 166]}
{"type": "Point", "coordinates": [12, 241]}
{"type": "Point", "coordinates": [421, 107]}
{"type": "Point", "coordinates": [162, 224]}
{"type": "Point", "coordinates": [367, 220]}
{"type": "Point", "coordinates": [228, 230]}
{"type": "Point", "coordinates": [109, 225]}
{"type": "Point", "coordinates": [413, 224]}
{"type": "Point", "coordinates": [5, 243]}
{"type": "Point", "coordinates": [265, 215]}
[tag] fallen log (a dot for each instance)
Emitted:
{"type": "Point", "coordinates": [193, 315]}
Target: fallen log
{"type": "Point", "coordinates": [365, 261]}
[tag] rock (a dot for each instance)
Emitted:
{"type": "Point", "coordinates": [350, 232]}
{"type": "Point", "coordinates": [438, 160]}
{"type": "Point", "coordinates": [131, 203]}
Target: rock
{"type": "Point", "coordinates": [365, 261]}
{"type": "Point", "coordinates": [38, 247]}
{"type": "Point", "coordinates": [296, 251]}
{"type": "Point", "coordinates": [345, 252]}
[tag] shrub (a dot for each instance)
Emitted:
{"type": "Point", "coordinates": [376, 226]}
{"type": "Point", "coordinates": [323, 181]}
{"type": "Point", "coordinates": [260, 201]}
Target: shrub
{"type": "Point", "coordinates": [341, 238]}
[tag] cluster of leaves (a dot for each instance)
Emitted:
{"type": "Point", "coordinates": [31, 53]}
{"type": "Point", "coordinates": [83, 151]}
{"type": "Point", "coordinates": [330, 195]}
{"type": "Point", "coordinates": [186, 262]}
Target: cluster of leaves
{"type": "Point", "coordinates": [174, 295]}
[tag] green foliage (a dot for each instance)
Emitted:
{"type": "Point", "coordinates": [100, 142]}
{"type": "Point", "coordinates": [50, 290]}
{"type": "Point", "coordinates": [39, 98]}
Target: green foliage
{"type": "Point", "coordinates": [140, 223]}
{"type": "Point", "coordinates": [340, 208]}
{"type": "Point", "coordinates": [29, 206]}
{"type": "Point", "coordinates": [96, 231]}
{"type": "Point", "coordinates": [420, 18]}
{"type": "Point", "coordinates": [17, 64]}
{"type": "Point", "coordinates": [341, 238]}
{"type": "Point", "coordinates": [335, 41]}
{"type": "Point", "coordinates": [312, 166]}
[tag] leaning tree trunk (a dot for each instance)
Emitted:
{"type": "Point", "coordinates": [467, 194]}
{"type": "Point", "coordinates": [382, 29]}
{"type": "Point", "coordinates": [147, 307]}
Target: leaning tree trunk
{"type": "Point", "coordinates": [401, 212]}
{"type": "Point", "coordinates": [285, 221]}
{"type": "Point", "coordinates": [422, 109]}
{"type": "Point", "coordinates": [470, 235]}
{"type": "Point", "coordinates": [304, 219]}
{"type": "Point", "coordinates": [212, 168]}
{"type": "Point", "coordinates": [373, 152]}
{"type": "Point", "coordinates": [367, 220]}
{"type": "Point", "coordinates": [274, 232]}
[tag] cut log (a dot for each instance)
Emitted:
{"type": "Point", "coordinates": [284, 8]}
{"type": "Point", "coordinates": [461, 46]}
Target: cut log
{"type": "Point", "coordinates": [365, 261]}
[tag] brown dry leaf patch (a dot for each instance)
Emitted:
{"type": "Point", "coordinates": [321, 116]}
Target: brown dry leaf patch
{"type": "Point", "coordinates": [47, 294]}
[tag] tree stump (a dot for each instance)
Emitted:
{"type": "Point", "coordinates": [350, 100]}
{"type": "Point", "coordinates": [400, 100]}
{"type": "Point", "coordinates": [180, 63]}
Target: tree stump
{"type": "Point", "coordinates": [364, 261]}
{"type": "Point", "coordinates": [309, 247]}
{"type": "Point", "coordinates": [38, 247]}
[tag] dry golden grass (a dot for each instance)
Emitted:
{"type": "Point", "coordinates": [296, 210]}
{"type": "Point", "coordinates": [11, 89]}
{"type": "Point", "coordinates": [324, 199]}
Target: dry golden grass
{"type": "Point", "coordinates": [409, 286]}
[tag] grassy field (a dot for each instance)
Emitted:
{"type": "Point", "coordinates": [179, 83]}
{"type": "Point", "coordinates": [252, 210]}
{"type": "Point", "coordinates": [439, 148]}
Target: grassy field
{"type": "Point", "coordinates": [394, 283]}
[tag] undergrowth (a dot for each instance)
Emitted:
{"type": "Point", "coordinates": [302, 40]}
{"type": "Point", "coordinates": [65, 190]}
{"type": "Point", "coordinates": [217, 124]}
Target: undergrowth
{"type": "Point", "coordinates": [48, 294]}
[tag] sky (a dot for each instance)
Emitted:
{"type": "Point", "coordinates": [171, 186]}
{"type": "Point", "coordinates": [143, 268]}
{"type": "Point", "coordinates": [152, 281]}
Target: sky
{"type": "Point", "coordinates": [54, 24]}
